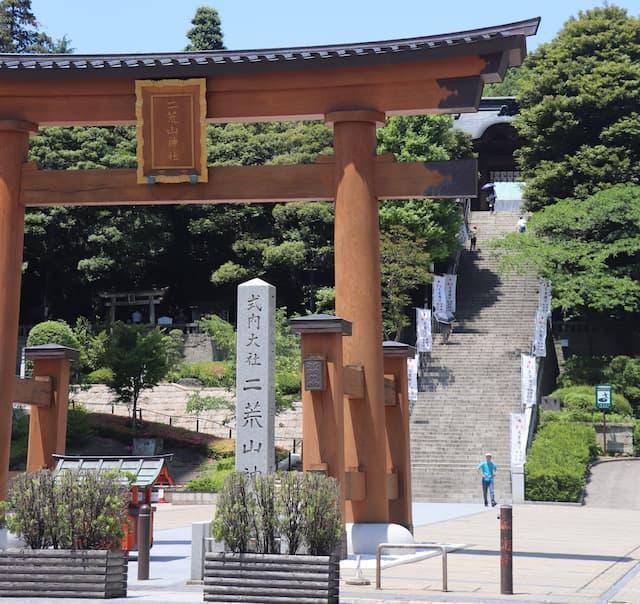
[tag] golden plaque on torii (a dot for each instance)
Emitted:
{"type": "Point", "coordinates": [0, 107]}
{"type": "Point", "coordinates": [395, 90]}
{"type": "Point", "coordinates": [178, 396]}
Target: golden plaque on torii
{"type": "Point", "coordinates": [171, 130]}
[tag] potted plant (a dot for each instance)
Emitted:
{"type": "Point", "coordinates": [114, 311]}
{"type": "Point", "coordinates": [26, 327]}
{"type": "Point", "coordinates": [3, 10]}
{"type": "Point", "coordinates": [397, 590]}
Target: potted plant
{"type": "Point", "coordinates": [72, 525]}
{"type": "Point", "coordinates": [281, 533]}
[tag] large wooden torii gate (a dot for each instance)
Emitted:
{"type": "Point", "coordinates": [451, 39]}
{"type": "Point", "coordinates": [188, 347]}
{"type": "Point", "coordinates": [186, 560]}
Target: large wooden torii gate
{"type": "Point", "coordinates": [352, 87]}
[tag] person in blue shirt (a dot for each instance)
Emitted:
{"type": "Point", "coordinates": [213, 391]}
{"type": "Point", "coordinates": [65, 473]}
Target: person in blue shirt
{"type": "Point", "coordinates": [488, 470]}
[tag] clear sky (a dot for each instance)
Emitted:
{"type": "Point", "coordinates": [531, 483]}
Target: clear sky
{"type": "Point", "coordinates": [101, 26]}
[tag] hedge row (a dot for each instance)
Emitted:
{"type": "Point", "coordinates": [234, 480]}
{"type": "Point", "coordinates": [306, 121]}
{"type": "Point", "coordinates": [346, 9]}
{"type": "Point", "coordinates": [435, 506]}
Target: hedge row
{"type": "Point", "coordinates": [557, 462]}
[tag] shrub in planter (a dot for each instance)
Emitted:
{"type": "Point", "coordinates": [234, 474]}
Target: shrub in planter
{"type": "Point", "coordinates": [289, 509]}
{"type": "Point", "coordinates": [305, 510]}
{"type": "Point", "coordinates": [70, 511]}
{"type": "Point", "coordinates": [72, 522]}
{"type": "Point", "coordinates": [233, 523]}
{"type": "Point", "coordinates": [322, 526]}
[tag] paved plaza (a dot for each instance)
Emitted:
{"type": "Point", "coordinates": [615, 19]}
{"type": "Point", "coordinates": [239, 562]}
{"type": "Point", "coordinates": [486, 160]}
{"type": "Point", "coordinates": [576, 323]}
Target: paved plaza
{"type": "Point", "coordinates": [562, 554]}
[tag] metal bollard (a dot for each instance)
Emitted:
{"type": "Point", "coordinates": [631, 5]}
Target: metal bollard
{"type": "Point", "coordinates": [506, 550]}
{"type": "Point", "coordinates": [144, 541]}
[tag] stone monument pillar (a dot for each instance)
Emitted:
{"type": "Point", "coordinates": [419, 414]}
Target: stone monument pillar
{"type": "Point", "coordinates": [256, 377]}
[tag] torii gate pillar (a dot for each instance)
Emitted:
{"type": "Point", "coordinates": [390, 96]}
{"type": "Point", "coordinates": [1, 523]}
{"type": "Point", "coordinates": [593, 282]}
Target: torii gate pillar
{"type": "Point", "coordinates": [14, 143]}
{"type": "Point", "coordinates": [358, 300]}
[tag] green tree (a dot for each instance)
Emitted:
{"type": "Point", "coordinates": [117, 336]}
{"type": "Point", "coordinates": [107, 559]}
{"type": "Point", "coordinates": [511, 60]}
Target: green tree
{"type": "Point", "coordinates": [588, 248]}
{"type": "Point", "coordinates": [510, 86]}
{"type": "Point", "coordinates": [579, 108]}
{"type": "Point", "coordinates": [206, 33]}
{"type": "Point", "coordinates": [137, 355]}
{"type": "Point", "coordinates": [404, 267]}
{"type": "Point", "coordinates": [20, 33]}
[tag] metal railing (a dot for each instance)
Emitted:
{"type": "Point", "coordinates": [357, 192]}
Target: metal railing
{"type": "Point", "coordinates": [441, 547]}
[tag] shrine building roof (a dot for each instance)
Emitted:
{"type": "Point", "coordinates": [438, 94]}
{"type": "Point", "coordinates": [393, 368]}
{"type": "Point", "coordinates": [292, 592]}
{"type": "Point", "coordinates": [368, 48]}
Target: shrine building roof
{"type": "Point", "coordinates": [508, 39]}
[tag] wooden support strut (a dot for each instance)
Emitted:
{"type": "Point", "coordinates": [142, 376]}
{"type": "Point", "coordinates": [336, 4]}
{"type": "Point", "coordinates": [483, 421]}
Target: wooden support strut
{"type": "Point", "coordinates": [36, 391]}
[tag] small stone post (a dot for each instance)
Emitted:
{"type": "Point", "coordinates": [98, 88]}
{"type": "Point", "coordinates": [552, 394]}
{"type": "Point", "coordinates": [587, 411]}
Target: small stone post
{"type": "Point", "coordinates": [255, 377]}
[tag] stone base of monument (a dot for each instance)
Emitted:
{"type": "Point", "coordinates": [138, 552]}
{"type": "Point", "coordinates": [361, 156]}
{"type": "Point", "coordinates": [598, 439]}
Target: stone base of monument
{"type": "Point", "coordinates": [57, 573]}
{"type": "Point", "coordinates": [363, 538]}
{"type": "Point", "coordinates": [271, 578]}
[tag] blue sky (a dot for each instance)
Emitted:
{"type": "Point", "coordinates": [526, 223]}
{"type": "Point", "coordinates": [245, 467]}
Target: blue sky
{"type": "Point", "coordinates": [100, 26]}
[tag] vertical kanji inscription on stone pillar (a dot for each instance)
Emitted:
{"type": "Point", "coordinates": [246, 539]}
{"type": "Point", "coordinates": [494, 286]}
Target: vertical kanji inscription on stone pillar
{"type": "Point", "coordinates": [255, 377]}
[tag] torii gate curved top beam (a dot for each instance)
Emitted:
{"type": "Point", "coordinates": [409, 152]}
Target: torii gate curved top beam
{"type": "Point", "coordinates": [353, 87]}
{"type": "Point", "coordinates": [442, 73]}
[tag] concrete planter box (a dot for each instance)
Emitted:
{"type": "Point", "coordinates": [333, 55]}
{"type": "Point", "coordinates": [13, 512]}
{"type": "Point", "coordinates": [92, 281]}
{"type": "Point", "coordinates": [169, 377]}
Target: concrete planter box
{"type": "Point", "coordinates": [49, 573]}
{"type": "Point", "coordinates": [271, 578]}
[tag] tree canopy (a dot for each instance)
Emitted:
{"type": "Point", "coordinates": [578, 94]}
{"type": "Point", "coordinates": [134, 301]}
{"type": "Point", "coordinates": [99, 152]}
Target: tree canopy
{"type": "Point", "coordinates": [19, 30]}
{"type": "Point", "coordinates": [579, 108]}
{"type": "Point", "coordinates": [588, 248]}
{"type": "Point", "coordinates": [202, 252]}
{"type": "Point", "coordinates": [206, 33]}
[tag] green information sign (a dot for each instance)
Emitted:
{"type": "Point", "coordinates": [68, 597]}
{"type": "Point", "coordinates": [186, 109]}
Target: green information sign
{"type": "Point", "coordinates": [603, 397]}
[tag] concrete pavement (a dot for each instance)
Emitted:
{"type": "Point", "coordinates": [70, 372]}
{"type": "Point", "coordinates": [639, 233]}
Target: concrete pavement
{"type": "Point", "coordinates": [562, 554]}
{"type": "Point", "coordinates": [614, 484]}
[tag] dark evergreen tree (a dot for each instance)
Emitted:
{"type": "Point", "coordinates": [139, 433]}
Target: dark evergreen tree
{"type": "Point", "coordinates": [206, 33]}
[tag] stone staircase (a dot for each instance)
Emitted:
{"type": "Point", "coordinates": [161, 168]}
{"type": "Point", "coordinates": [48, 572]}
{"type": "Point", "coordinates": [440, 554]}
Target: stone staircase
{"type": "Point", "coordinates": [473, 382]}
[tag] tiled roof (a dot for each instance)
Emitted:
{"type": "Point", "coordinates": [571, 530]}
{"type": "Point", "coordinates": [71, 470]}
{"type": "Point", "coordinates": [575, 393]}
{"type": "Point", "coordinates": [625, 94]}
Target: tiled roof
{"type": "Point", "coordinates": [185, 64]}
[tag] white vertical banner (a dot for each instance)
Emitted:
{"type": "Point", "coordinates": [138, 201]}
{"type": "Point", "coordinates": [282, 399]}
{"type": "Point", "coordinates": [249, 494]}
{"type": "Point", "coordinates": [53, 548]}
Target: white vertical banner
{"type": "Point", "coordinates": [540, 334]}
{"type": "Point", "coordinates": [439, 295]}
{"type": "Point", "coordinates": [450, 282]}
{"type": "Point", "coordinates": [544, 296]}
{"type": "Point", "coordinates": [412, 375]}
{"type": "Point", "coordinates": [529, 380]}
{"type": "Point", "coordinates": [424, 340]}
{"type": "Point", "coordinates": [255, 377]}
{"type": "Point", "coordinates": [518, 439]}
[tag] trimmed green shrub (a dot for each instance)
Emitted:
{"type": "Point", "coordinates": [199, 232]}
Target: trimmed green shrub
{"type": "Point", "coordinates": [288, 382]}
{"type": "Point", "coordinates": [578, 416]}
{"type": "Point", "coordinates": [582, 398]}
{"type": "Point", "coordinates": [104, 375]}
{"type": "Point", "coordinates": [53, 332]}
{"type": "Point", "coordinates": [210, 481]}
{"type": "Point", "coordinates": [212, 374]}
{"type": "Point", "coordinates": [558, 460]}
{"type": "Point", "coordinates": [72, 510]}
{"type": "Point", "coordinates": [636, 438]}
